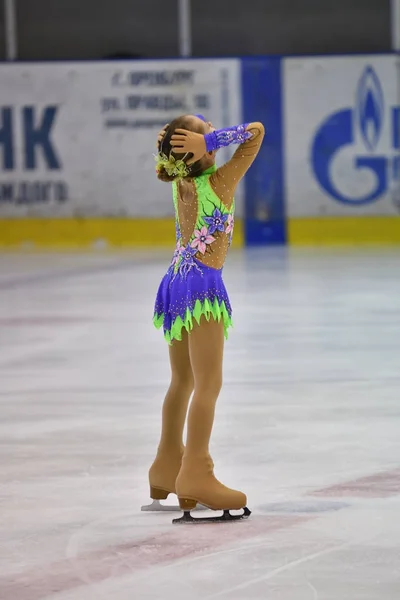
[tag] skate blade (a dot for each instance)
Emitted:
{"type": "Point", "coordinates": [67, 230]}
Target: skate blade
{"type": "Point", "coordinates": [156, 506]}
{"type": "Point", "coordinates": [187, 518]}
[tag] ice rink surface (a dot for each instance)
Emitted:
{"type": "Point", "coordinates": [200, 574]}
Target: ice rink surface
{"type": "Point", "coordinates": [308, 425]}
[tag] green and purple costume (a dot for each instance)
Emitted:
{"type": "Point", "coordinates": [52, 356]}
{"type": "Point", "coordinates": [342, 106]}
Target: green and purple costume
{"type": "Point", "coordinates": [190, 289]}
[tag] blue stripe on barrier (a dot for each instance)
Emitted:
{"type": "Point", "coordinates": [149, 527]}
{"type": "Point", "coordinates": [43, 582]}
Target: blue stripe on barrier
{"type": "Point", "coordinates": [264, 221]}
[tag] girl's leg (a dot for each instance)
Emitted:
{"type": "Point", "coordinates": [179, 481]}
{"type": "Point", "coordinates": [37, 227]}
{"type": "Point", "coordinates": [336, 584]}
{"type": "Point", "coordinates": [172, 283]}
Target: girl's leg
{"type": "Point", "coordinates": [196, 481]}
{"type": "Point", "coordinates": [206, 349]}
{"type": "Point", "coordinates": [166, 466]}
{"type": "Point", "coordinates": [178, 395]}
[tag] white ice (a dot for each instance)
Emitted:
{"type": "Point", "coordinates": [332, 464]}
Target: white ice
{"type": "Point", "coordinates": [308, 425]}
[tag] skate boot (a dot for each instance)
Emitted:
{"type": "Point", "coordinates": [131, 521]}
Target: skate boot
{"type": "Point", "coordinates": [196, 483]}
{"type": "Point", "coordinates": [162, 477]}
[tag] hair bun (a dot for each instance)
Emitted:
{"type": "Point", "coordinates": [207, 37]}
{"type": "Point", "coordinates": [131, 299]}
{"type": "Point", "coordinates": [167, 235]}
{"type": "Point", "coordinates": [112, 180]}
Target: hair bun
{"type": "Point", "coordinates": [171, 164]}
{"type": "Point", "coordinates": [163, 175]}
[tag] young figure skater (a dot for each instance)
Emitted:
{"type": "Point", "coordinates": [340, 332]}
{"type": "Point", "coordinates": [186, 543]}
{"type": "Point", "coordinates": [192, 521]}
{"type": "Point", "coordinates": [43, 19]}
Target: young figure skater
{"type": "Point", "coordinates": [193, 307]}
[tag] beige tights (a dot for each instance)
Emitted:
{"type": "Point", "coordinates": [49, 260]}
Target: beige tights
{"type": "Point", "coordinates": [196, 482]}
{"type": "Point", "coordinates": [165, 468]}
{"type": "Point", "coordinates": [196, 362]}
{"type": "Point", "coordinates": [206, 348]}
{"type": "Point", "coordinates": [177, 399]}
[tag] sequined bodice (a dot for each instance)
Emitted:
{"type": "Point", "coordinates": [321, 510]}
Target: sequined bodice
{"type": "Point", "coordinates": [204, 208]}
{"type": "Point", "coordinates": [204, 224]}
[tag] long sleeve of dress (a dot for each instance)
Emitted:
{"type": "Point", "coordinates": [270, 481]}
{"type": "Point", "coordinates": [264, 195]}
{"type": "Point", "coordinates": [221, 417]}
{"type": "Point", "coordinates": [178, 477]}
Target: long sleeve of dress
{"type": "Point", "coordinates": [227, 177]}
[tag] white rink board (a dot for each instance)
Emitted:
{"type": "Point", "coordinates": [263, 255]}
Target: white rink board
{"type": "Point", "coordinates": [364, 91]}
{"type": "Point", "coordinates": [95, 155]}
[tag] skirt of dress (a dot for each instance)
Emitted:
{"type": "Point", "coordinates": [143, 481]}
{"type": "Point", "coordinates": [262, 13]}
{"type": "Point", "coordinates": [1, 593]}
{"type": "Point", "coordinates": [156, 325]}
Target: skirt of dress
{"type": "Point", "coordinates": [182, 298]}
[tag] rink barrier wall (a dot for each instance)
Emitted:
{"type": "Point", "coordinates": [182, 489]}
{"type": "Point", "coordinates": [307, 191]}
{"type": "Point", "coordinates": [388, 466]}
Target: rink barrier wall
{"type": "Point", "coordinates": [93, 233]}
{"type": "Point", "coordinates": [344, 231]}
{"type": "Point", "coordinates": [328, 171]}
{"type": "Point", "coordinates": [47, 233]}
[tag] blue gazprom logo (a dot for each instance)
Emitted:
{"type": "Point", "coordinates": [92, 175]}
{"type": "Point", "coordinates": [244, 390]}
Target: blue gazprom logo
{"type": "Point", "coordinates": [345, 127]}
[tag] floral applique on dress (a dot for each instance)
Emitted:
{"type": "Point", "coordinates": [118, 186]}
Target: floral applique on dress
{"type": "Point", "coordinates": [214, 220]}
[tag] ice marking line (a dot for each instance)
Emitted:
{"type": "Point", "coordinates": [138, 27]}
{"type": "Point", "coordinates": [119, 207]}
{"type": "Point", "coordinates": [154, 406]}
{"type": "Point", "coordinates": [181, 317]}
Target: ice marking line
{"type": "Point", "coordinates": [282, 569]}
{"type": "Point", "coordinates": [134, 559]}
{"type": "Point", "coordinates": [209, 537]}
{"type": "Point", "coordinates": [380, 485]}
{"type": "Point", "coordinates": [235, 550]}
{"type": "Point", "coordinates": [314, 590]}
{"type": "Point", "coordinates": [145, 574]}
{"type": "Point", "coordinates": [60, 576]}
{"type": "Point", "coordinates": [127, 559]}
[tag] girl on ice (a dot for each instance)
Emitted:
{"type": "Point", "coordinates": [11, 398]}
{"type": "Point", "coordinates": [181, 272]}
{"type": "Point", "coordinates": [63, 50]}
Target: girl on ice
{"type": "Point", "coordinates": [193, 306]}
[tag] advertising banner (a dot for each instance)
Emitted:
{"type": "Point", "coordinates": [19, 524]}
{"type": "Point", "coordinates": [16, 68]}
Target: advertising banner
{"type": "Point", "coordinates": [78, 139]}
{"type": "Point", "coordinates": [342, 136]}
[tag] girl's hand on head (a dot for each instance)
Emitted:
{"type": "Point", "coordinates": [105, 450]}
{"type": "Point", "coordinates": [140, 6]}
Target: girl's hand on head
{"type": "Point", "coordinates": [188, 141]}
{"type": "Point", "coordinates": [161, 135]}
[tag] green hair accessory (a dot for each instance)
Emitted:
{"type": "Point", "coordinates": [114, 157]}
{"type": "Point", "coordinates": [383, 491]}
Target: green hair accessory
{"type": "Point", "coordinates": [172, 165]}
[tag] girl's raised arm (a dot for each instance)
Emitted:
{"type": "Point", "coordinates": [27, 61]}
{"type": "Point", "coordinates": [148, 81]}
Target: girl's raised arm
{"type": "Point", "coordinates": [227, 177]}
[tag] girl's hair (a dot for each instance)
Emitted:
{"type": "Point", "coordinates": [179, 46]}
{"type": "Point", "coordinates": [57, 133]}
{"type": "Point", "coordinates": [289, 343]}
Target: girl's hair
{"type": "Point", "coordinates": [183, 122]}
